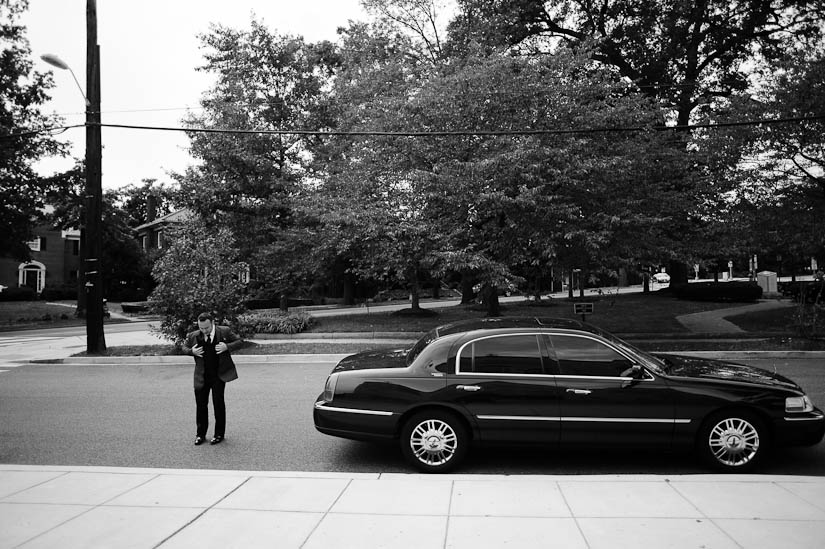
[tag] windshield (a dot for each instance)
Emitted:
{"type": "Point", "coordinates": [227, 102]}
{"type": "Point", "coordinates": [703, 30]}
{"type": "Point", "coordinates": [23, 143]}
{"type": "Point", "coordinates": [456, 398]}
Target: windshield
{"type": "Point", "coordinates": [648, 360]}
{"type": "Point", "coordinates": [421, 344]}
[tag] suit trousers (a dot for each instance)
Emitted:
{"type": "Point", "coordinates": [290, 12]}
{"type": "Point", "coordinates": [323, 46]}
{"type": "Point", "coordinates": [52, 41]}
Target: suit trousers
{"type": "Point", "coordinates": [217, 387]}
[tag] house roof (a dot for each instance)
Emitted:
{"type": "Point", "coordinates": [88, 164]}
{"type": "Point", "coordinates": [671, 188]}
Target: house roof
{"type": "Point", "coordinates": [174, 217]}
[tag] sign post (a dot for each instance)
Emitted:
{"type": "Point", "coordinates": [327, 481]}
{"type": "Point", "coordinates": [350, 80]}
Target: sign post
{"type": "Point", "coordinates": [583, 309]}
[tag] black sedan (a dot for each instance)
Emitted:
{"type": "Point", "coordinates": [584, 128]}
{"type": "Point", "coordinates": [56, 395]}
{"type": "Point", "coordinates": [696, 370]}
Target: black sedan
{"type": "Point", "coordinates": [561, 383]}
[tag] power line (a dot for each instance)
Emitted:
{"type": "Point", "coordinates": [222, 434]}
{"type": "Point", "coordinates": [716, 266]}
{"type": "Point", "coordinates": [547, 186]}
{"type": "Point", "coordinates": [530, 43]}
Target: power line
{"type": "Point", "coordinates": [437, 133]}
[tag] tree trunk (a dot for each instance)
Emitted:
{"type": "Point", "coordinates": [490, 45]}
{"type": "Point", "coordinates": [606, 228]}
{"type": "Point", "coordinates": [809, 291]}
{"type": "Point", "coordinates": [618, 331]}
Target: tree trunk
{"type": "Point", "coordinates": [490, 296]}
{"type": "Point", "coordinates": [678, 272]}
{"type": "Point", "coordinates": [466, 288]}
{"type": "Point", "coordinates": [349, 289]}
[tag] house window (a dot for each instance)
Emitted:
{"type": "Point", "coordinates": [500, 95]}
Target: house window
{"type": "Point", "coordinates": [160, 240]}
{"type": "Point", "coordinates": [144, 241]}
{"type": "Point", "coordinates": [34, 245]}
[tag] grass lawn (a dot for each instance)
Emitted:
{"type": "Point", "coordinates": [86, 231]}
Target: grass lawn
{"type": "Point", "coordinates": [653, 315]}
{"type": "Point", "coordinates": [629, 313]}
{"type": "Point", "coordinates": [28, 315]}
{"type": "Point", "coordinates": [16, 315]}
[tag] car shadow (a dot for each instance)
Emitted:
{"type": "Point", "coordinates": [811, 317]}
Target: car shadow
{"type": "Point", "coordinates": [386, 458]}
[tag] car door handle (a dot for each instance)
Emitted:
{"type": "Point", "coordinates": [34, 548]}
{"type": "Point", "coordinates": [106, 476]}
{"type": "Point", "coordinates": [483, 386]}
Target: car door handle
{"type": "Point", "coordinates": [579, 391]}
{"type": "Point", "coordinates": [470, 388]}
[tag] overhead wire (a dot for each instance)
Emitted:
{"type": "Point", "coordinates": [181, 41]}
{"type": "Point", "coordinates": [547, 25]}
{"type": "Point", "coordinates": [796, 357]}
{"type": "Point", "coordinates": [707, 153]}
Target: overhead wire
{"type": "Point", "coordinates": [432, 133]}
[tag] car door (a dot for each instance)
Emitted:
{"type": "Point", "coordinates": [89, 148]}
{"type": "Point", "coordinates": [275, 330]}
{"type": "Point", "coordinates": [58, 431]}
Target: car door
{"type": "Point", "coordinates": [503, 383]}
{"type": "Point", "coordinates": [602, 404]}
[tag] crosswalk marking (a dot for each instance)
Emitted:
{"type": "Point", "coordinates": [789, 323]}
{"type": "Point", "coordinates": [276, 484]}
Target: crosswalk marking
{"type": "Point", "coordinates": [5, 342]}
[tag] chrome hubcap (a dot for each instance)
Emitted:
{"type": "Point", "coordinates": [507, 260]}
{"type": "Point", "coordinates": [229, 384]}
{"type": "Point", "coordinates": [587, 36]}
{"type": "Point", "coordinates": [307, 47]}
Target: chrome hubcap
{"type": "Point", "coordinates": [734, 441]}
{"type": "Point", "coordinates": [433, 442]}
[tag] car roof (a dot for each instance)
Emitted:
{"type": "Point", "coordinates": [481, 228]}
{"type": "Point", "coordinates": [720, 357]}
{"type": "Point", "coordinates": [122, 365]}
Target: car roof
{"type": "Point", "coordinates": [514, 322]}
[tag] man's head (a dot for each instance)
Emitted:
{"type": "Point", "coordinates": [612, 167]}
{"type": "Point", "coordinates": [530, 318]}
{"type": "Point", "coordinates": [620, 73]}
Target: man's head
{"type": "Point", "coordinates": [205, 323]}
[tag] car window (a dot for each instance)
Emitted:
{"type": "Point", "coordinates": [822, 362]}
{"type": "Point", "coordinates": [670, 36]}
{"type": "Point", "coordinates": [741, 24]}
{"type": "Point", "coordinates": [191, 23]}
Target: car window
{"type": "Point", "coordinates": [583, 356]}
{"type": "Point", "coordinates": [508, 354]}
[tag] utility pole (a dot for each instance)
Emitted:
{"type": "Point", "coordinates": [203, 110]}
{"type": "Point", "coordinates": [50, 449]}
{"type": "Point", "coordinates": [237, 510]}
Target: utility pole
{"type": "Point", "coordinates": [95, 340]}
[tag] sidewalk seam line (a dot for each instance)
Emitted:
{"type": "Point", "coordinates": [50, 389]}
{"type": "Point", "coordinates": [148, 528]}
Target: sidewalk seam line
{"type": "Point", "coordinates": [449, 514]}
{"type": "Point", "coordinates": [327, 512]}
{"type": "Point", "coordinates": [704, 515]}
{"type": "Point", "coordinates": [199, 515]}
{"type": "Point", "coordinates": [572, 514]}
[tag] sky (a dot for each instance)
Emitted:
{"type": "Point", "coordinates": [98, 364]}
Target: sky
{"type": "Point", "coordinates": [149, 54]}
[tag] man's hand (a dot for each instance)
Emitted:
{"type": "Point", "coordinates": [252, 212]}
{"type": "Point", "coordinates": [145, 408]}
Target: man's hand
{"type": "Point", "coordinates": [221, 347]}
{"type": "Point", "coordinates": [197, 350]}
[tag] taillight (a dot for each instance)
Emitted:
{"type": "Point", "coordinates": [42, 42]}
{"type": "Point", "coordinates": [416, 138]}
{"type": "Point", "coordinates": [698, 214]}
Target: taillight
{"type": "Point", "coordinates": [329, 388]}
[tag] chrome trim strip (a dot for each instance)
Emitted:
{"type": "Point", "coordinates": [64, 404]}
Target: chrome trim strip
{"type": "Point", "coordinates": [817, 418]}
{"type": "Point", "coordinates": [521, 418]}
{"type": "Point", "coordinates": [623, 420]}
{"type": "Point", "coordinates": [323, 406]}
{"type": "Point", "coordinates": [587, 419]}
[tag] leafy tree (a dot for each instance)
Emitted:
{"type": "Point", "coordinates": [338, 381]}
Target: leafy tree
{"type": "Point", "coordinates": [198, 272]}
{"type": "Point", "coordinates": [134, 200]}
{"type": "Point", "coordinates": [265, 82]}
{"type": "Point", "coordinates": [694, 58]}
{"type": "Point", "coordinates": [684, 53]}
{"type": "Point", "coordinates": [126, 270]}
{"type": "Point", "coordinates": [23, 139]}
{"type": "Point", "coordinates": [782, 197]}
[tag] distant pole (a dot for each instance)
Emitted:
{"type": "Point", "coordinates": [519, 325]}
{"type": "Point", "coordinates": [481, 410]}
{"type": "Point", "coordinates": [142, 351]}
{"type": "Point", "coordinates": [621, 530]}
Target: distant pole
{"type": "Point", "coordinates": [95, 339]}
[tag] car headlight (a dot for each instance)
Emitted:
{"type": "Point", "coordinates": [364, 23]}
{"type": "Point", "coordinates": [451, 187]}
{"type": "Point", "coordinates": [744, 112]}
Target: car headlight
{"type": "Point", "coordinates": [798, 404]}
{"type": "Point", "coordinates": [329, 388]}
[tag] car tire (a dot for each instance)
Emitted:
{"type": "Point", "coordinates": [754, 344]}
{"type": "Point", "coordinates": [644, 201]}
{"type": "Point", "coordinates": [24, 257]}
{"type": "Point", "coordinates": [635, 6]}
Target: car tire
{"type": "Point", "coordinates": [733, 441]}
{"type": "Point", "coordinates": [434, 441]}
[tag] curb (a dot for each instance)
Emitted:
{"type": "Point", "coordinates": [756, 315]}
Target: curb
{"type": "Point", "coordinates": [187, 360]}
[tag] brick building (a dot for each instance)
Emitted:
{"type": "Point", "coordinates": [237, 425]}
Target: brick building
{"type": "Point", "coordinates": [55, 261]}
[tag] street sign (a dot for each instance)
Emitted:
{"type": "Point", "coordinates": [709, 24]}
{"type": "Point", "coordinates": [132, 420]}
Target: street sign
{"type": "Point", "coordinates": [582, 309]}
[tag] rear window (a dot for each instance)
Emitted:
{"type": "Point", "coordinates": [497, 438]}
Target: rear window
{"type": "Point", "coordinates": [505, 354]}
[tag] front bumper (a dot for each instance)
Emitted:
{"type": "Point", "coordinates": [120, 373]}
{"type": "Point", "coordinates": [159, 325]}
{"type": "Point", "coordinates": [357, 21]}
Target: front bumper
{"type": "Point", "coordinates": [800, 429]}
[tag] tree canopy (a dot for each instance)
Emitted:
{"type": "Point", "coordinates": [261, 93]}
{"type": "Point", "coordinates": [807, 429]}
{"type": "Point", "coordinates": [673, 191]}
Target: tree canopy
{"type": "Point", "coordinates": [23, 91]}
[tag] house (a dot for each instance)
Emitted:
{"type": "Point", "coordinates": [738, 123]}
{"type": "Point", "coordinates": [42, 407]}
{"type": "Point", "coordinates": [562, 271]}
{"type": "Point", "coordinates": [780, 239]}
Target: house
{"type": "Point", "coordinates": [151, 234]}
{"type": "Point", "coordinates": [55, 261]}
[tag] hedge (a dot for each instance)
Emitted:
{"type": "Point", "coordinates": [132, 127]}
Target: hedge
{"type": "Point", "coordinates": [23, 293]}
{"type": "Point", "coordinates": [804, 290]}
{"type": "Point", "coordinates": [274, 323]}
{"type": "Point", "coordinates": [718, 291]}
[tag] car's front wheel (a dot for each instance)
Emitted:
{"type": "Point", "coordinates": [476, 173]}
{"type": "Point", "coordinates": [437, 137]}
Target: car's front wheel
{"type": "Point", "coordinates": [434, 441]}
{"type": "Point", "coordinates": [733, 442]}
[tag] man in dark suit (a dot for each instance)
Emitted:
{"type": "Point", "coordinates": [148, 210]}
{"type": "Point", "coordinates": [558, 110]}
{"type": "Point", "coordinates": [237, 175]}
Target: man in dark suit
{"type": "Point", "coordinates": [214, 368]}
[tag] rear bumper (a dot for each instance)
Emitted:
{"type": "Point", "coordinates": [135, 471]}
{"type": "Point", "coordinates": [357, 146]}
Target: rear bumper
{"type": "Point", "coordinates": [352, 423]}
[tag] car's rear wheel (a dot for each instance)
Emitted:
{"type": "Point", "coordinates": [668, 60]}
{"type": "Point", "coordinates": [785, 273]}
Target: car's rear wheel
{"type": "Point", "coordinates": [434, 441]}
{"type": "Point", "coordinates": [733, 441]}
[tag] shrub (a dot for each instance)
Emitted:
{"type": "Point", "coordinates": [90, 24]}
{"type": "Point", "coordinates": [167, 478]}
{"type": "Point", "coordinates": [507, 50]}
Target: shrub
{"type": "Point", "coordinates": [718, 291]}
{"type": "Point", "coordinates": [23, 293]}
{"type": "Point", "coordinates": [274, 323]}
{"type": "Point", "coordinates": [198, 272]}
{"type": "Point", "coordinates": [805, 291]}
{"type": "Point", "coordinates": [56, 293]}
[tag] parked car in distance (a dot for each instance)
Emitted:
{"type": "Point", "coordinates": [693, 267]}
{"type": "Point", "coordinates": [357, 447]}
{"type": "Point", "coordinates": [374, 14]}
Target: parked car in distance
{"type": "Point", "coordinates": [559, 383]}
{"type": "Point", "coordinates": [661, 278]}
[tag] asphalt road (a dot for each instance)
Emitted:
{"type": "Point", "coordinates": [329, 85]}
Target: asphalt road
{"type": "Point", "coordinates": [142, 415]}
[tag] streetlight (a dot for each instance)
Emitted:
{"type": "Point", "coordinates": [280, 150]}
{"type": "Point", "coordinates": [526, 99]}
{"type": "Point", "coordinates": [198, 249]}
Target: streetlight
{"type": "Point", "coordinates": [55, 61]}
{"type": "Point", "coordinates": [91, 235]}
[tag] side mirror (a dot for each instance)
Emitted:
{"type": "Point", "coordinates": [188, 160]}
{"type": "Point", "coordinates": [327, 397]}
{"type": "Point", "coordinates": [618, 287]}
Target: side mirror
{"type": "Point", "coordinates": [635, 373]}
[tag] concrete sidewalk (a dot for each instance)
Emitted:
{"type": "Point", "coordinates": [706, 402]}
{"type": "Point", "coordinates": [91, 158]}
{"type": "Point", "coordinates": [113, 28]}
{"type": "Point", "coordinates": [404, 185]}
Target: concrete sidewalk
{"type": "Point", "coordinates": [88, 507]}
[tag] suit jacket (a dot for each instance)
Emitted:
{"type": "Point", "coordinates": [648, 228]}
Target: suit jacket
{"type": "Point", "coordinates": [226, 366]}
